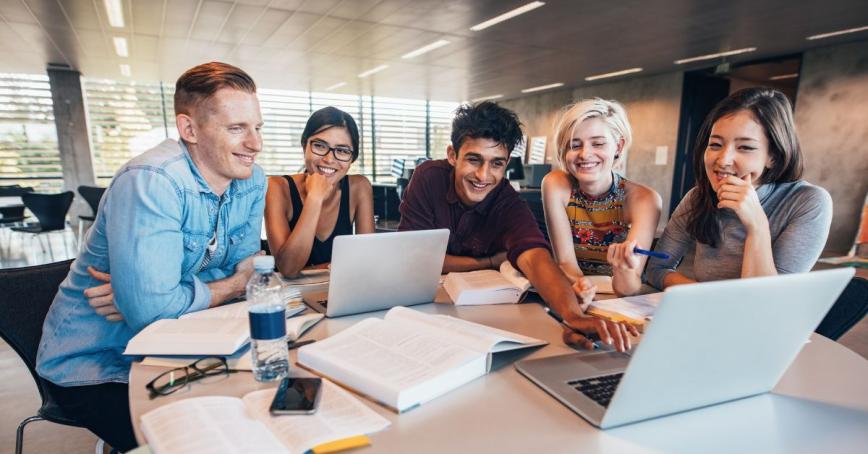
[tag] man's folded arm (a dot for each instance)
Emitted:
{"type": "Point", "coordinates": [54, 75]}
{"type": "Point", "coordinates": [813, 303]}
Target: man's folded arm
{"type": "Point", "coordinates": [144, 212]}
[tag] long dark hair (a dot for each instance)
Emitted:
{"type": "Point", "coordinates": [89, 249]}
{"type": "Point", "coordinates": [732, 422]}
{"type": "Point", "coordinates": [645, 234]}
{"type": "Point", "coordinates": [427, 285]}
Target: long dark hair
{"type": "Point", "coordinates": [330, 117]}
{"type": "Point", "coordinates": [772, 110]}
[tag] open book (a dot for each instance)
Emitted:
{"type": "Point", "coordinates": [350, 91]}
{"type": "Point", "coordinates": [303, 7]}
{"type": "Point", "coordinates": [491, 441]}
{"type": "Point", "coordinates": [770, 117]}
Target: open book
{"type": "Point", "coordinates": [506, 286]}
{"type": "Point", "coordinates": [409, 357]}
{"type": "Point", "coordinates": [219, 331]}
{"type": "Point", "coordinates": [221, 424]}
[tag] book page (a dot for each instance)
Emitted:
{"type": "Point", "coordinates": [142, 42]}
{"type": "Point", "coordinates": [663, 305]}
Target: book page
{"type": "Point", "coordinates": [514, 276]}
{"type": "Point", "coordinates": [639, 307]}
{"type": "Point", "coordinates": [374, 356]}
{"type": "Point", "coordinates": [215, 424]}
{"type": "Point", "coordinates": [190, 337]}
{"type": "Point", "coordinates": [481, 287]}
{"type": "Point", "coordinates": [471, 335]}
{"type": "Point", "coordinates": [238, 310]}
{"type": "Point", "coordinates": [339, 415]}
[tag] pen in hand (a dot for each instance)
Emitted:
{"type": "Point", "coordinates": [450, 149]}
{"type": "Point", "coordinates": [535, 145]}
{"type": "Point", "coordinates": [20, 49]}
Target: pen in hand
{"type": "Point", "coordinates": [591, 337]}
{"type": "Point", "coordinates": [655, 254]}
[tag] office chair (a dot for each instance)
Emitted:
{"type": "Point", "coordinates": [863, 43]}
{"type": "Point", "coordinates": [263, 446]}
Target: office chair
{"type": "Point", "coordinates": [50, 210]}
{"type": "Point", "coordinates": [848, 310]}
{"type": "Point", "coordinates": [92, 195]}
{"type": "Point", "coordinates": [25, 296]}
{"type": "Point", "coordinates": [401, 186]}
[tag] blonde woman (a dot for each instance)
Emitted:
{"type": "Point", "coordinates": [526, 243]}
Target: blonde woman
{"type": "Point", "coordinates": [596, 217]}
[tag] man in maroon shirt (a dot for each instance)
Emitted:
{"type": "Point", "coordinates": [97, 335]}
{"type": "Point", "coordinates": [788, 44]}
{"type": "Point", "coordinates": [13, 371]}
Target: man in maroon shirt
{"type": "Point", "coordinates": [467, 194]}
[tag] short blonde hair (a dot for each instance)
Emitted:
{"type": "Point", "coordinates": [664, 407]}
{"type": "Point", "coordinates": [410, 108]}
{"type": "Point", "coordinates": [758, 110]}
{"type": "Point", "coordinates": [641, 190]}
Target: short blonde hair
{"type": "Point", "coordinates": [611, 112]}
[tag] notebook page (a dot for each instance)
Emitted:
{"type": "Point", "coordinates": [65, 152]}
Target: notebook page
{"type": "Point", "coordinates": [339, 415]}
{"type": "Point", "coordinates": [213, 425]}
{"type": "Point", "coordinates": [471, 335]}
{"type": "Point", "coordinates": [639, 307]}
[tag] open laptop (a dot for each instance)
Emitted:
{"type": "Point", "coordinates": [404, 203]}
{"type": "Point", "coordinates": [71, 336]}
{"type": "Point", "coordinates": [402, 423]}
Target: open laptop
{"type": "Point", "coordinates": [377, 271]}
{"type": "Point", "coordinates": [707, 343]}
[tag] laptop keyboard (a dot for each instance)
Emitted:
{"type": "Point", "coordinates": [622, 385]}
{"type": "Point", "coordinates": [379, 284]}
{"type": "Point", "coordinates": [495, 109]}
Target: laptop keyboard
{"type": "Point", "coordinates": [599, 389]}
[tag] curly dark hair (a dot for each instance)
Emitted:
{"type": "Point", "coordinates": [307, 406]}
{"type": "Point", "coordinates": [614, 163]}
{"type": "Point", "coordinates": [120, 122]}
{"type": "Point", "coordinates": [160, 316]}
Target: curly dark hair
{"type": "Point", "coordinates": [486, 120]}
{"type": "Point", "coordinates": [772, 110]}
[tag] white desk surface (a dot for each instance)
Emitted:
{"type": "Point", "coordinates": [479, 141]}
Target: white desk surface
{"type": "Point", "coordinates": [820, 405]}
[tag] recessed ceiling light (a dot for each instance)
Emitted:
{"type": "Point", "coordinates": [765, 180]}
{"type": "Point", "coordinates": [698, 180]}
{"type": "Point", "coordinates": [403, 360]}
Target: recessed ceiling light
{"type": "Point", "coordinates": [542, 87]}
{"type": "Point", "coordinates": [717, 55]}
{"type": "Point", "coordinates": [613, 74]}
{"type": "Point", "coordinates": [506, 16]}
{"type": "Point", "coordinates": [115, 12]}
{"type": "Point", "coordinates": [839, 32]}
{"type": "Point", "coordinates": [372, 71]}
{"type": "Point", "coordinates": [336, 86]}
{"type": "Point", "coordinates": [125, 70]}
{"type": "Point", "coordinates": [121, 46]}
{"type": "Point", "coordinates": [486, 98]}
{"type": "Point", "coordinates": [425, 49]}
{"type": "Point", "coordinates": [784, 76]}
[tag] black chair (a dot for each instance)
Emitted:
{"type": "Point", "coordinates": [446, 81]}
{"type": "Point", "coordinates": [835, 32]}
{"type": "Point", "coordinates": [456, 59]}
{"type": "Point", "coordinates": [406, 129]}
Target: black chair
{"type": "Point", "coordinates": [50, 210]}
{"type": "Point", "coordinates": [92, 195]}
{"type": "Point", "coordinates": [14, 190]}
{"type": "Point", "coordinates": [401, 186]}
{"type": "Point", "coordinates": [25, 296]}
{"type": "Point", "coordinates": [848, 310]}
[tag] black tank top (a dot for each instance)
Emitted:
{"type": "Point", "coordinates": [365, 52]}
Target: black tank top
{"type": "Point", "coordinates": [321, 252]}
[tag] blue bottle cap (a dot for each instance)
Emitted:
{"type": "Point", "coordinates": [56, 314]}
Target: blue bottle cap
{"type": "Point", "coordinates": [267, 321]}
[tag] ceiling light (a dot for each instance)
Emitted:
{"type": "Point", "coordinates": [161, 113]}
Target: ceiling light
{"type": "Point", "coordinates": [425, 49]}
{"type": "Point", "coordinates": [121, 46]}
{"type": "Point", "coordinates": [717, 55]}
{"type": "Point", "coordinates": [839, 32]}
{"type": "Point", "coordinates": [115, 12]}
{"type": "Point", "coordinates": [542, 87]}
{"type": "Point", "coordinates": [125, 70]}
{"type": "Point", "coordinates": [486, 98]}
{"type": "Point", "coordinates": [336, 86]}
{"type": "Point", "coordinates": [784, 76]}
{"type": "Point", "coordinates": [613, 74]}
{"type": "Point", "coordinates": [372, 71]}
{"type": "Point", "coordinates": [506, 16]}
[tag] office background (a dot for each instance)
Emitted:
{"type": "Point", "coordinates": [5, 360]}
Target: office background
{"type": "Point", "coordinates": [81, 93]}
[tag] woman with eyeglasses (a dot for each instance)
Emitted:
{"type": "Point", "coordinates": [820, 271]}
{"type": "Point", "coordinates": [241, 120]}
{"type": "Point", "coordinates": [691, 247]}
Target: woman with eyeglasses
{"type": "Point", "coordinates": [305, 212]}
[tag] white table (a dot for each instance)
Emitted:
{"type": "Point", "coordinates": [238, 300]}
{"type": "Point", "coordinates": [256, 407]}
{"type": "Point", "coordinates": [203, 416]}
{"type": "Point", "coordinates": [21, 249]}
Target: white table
{"type": "Point", "coordinates": [820, 405]}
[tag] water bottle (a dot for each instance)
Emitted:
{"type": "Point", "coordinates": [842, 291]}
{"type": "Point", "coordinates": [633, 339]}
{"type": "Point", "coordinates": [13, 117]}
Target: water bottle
{"type": "Point", "coordinates": [267, 321]}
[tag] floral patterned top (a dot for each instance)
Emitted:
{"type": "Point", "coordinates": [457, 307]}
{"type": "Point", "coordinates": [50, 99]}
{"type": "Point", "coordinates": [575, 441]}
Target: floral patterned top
{"type": "Point", "coordinates": [595, 223]}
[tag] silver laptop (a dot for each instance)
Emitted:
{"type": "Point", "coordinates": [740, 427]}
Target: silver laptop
{"type": "Point", "coordinates": [707, 343]}
{"type": "Point", "coordinates": [377, 271]}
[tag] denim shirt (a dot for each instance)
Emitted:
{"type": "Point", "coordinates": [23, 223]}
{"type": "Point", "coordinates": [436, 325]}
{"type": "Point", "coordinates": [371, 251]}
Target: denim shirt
{"type": "Point", "coordinates": [151, 233]}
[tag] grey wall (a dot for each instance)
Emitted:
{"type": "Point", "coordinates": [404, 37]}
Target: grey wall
{"type": "Point", "coordinates": [652, 103]}
{"type": "Point", "coordinates": [832, 120]}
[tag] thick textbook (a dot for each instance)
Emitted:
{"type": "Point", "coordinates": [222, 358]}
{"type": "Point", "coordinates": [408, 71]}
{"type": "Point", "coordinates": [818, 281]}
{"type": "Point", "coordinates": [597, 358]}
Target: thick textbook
{"type": "Point", "coordinates": [219, 331]}
{"type": "Point", "coordinates": [506, 286]}
{"type": "Point", "coordinates": [228, 425]}
{"type": "Point", "coordinates": [409, 357]}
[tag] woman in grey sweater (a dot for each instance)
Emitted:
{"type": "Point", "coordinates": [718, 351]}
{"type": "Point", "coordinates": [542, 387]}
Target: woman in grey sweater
{"type": "Point", "coordinates": [749, 214]}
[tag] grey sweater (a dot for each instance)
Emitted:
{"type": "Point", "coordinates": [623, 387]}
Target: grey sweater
{"type": "Point", "coordinates": [799, 216]}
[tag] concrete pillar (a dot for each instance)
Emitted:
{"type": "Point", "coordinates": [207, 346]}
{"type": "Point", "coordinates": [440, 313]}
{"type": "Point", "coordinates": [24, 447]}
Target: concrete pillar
{"type": "Point", "coordinates": [73, 137]}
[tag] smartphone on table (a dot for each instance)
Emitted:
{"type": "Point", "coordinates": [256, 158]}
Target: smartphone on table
{"type": "Point", "coordinates": [297, 396]}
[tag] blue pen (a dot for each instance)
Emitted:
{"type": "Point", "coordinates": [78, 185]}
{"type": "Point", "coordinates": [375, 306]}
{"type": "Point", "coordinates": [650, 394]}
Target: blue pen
{"type": "Point", "coordinates": [657, 255]}
{"type": "Point", "coordinates": [591, 337]}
